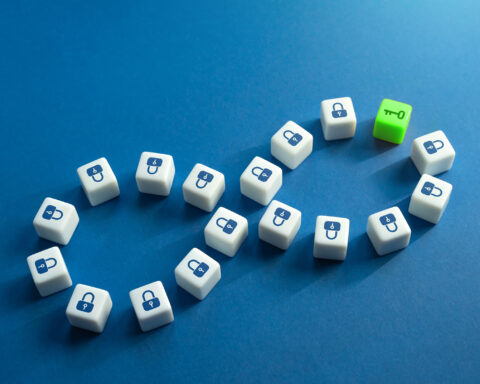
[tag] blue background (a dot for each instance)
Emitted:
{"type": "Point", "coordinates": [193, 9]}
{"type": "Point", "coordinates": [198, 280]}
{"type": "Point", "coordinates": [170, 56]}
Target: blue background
{"type": "Point", "coordinates": [210, 82]}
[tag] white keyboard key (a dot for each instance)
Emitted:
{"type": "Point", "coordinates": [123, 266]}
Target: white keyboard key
{"type": "Point", "coordinates": [49, 272]}
{"type": "Point", "coordinates": [197, 273]}
{"type": "Point", "coordinates": [430, 198]}
{"type": "Point", "coordinates": [331, 238]}
{"type": "Point", "coordinates": [291, 145]}
{"type": "Point", "coordinates": [98, 181]}
{"type": "Point", "coordinates": [388, 231]}
{"type": "Point", "coordinates": [432, 153]}
{"type": "Point", "coordinates": [226, 231]}
{"type": "Point", "coordinates": [261, 180]}
{"type": "Point", "coordinates": [155, 173]}
{"type": "Point", "coordinates": [279, 224]}
{"type": "Point", "coordinates": [89, 308]}
{"type": "Point", "coordinates": [56, 221]}
{"type": "Point", "coordinates": [203, 187]}
{"type": "Point", "coordinates": [338, 118]}
{"type": "Point", "coordinates": [151, 305]}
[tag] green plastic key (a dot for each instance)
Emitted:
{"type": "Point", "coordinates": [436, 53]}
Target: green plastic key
{"type": "Point", "coordinates": [392, 121]}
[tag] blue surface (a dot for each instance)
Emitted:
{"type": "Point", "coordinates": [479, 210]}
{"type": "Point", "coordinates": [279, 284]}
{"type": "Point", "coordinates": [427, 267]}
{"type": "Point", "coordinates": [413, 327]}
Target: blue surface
{"type": "Point", "coordinates": [211, 82]}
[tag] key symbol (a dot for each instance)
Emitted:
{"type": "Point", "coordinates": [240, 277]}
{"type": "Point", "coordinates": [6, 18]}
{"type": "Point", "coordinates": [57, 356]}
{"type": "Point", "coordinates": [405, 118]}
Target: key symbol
{"type": "Point", "coordinates": [400, 114]}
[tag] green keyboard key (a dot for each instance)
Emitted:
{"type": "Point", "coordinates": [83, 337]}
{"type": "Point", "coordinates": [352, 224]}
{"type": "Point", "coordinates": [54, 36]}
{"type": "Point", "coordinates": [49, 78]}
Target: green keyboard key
{"type": "Point", "coordinates": [392, 121]}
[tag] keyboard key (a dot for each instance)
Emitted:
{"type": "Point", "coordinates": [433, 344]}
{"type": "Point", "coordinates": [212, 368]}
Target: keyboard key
{"type": "Point", "coordinates": [226, 231]}
{"type": "Point", "coordinates": [331, 238]}
{"type": "Point", "coordinates": [388, 231]}
{"type": "Point", "coordinates": [261, 180]}
{"type": "Point", "coordinates": [197, 273]}
{"type": "Point", "coordinates": [155, 173]}
{"type": "Point", "coordinates": [392, 121]}
{"type": "Point", "coordinates": [56, 221]}
{"type": "Point", "coordinates": [49, 272]}
{"type": "Point", "coordinates": [98, 181]}
{"type": "Point", "coordinates": [279, 224]}
{"type": "Point", "coordinates": [291, 145]}
{"type": "Point", "coordinates": [203, 187]}
{"type": "Point", "coordinates": [89, 308]}
{"type": "Point", "coordinates": [151, 306]}
{"type": "Point", "coordinates": [338, 118]}
{"type": "Point", "coordinates": [432, 153]}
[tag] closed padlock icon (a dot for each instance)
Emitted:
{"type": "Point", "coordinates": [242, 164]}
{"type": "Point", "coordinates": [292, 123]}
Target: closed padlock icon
{"type": "Point", "coordinates": [52, 213]}
{"type": "Point", "coordinates": [198, 268]}
{"type": "Point", "coordinates": [338, 110]}
{"type": "Point", "coordinates": [293, 138]}
{"type": "Point", "coordinates": [331, 229]}
{"type": "Point", "coordinates": [42, 265]}
{"type": "Point", "coordinates": [388, 220]}
{"type": "Point", "coordinates": [203, 179]}
{"type": "Point", "coordinates": [262, 174]}
{"type": "Point", "coordinates": [228, 226]}
{"type": "Point", "coordinates": [280, 216]}
{"type": "Point", "coordinates": [84, 305]}
{"type": "Point", "coordinates": [96, 173]}
{"type": "Point", "coordinates": [153, 163]}
{"type": "Point", "coordinates": [433, 146]}
{"type": "Point", "coordinates": [151, 303]}
{"type": "Point", "coordinates": [430, 189]}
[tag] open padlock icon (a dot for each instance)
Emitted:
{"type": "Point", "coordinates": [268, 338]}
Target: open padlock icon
{"type": "Point", "coordinates": [229, 225]}
{"type": "Point", "coordinates": [51, 212]}
{"type": "Point", "coordinates": [280, 216]}
{"type": "Point", "coordinates": [203, 179]}
{"type": "Point", "coordinates": [388, 220]}
{"type": "Point", "coordinates": [338, 111]}
{"type": "Point", "coordinates": [152, 303]}
{"type": "Point", "coordinates": [84, 305]}
{"type": "Point", "coordinates": [293, 138]}
{"type": "Point", "coordinates": [198, 268]}
{"type": "Point", "coordinates": [96, 173]}
{"type": "Point", "coordinates": [430, 189]}
{"type": "Point", "coordinates": [262, 174]}
{"type": "Point", "coordinates": [42, 265]}
{"type": "Point", "coordinates": [153, 163]}
{"type": "Point", "coordinates": [331, 229]}
{"type": "Point", "coordinates": [431, 146]}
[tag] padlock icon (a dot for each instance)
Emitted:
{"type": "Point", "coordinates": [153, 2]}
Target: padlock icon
{"type": "Point", "coordinates": [263, 174]}
{"type": "Point", "coordinates": [430, 189]}
{"type": "Point", "coordinates": [42, 265]}
{"type": "Point", "coordinates": [203, 179]}
{"type": "Point", "coordinates": [198, 268]}
{"type": "Point", "coordinates": [293, 138]}
{"type": "Point", "coordinates": [96, 173]}
{"type": "Point", "coordinates": [280, 216]}
{"type": "Point", "coordinates": [331, 229]}
{"type": "Point", "coordinates": [152, 303]}
{"type": "Point", "coordinates": [51, 212]}
{"type": "Point", "coordinates": [338, 111]}
{"type": "Point", "coordinates": [84, 305]}
{"type": "Point", "coordinates": [387, 220]}
{"type": "Point", "coordinates": [153, 163]}
{"type": "Point", "coordinates": [432, 147]}
{"type": "Point", "coordinates": [229, 225]}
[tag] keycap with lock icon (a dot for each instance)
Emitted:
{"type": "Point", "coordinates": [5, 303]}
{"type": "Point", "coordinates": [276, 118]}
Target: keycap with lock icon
{"type": "Point", "coordinates": [155, 173]}
{"type": "Point", "coordinates": [261, 180]}
{"type": "Point", "coordinates": [338, 118]}
{"type": "Point", "coordinates": [432, 153]}
{"type": "Point", "coordinates": [98, 181]}
{"type": "Point", "coordinates": [203, 187]}
{"type": "Point", "coordinates": [291, 144]}
{"type": "Point", "coordinates": [331, 238]}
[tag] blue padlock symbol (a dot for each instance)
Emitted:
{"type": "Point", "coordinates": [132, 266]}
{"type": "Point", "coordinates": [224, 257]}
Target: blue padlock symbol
{"type": "Point", "coordinates": [84, 305]}
{"type": "Point", "coordinates": [153, 163]}
{"type": "Point", "coordinates": [152, 303]}
{"type": "Point", "coordinates": [263, 174]}
{"type": "Point", "coordinates": [42, 265]}
{"type": "Point", "coordinates": [229, 225]}
{"type": "Point", "coordinates": [203, 179]}
{"type": "Point", "coordinates": [51, 212]}
{"type": "Point", "coordinates": [96, 173]}
{"type": "Point", "coordinates": [430, 189]}
{"type": "Point", "coordinates": [387, 220]}
{"type": "Point", "coordinates": [331, 228]}
{"type": "Point", "coordinates": [198, 268]}
{"type": "Point", "coordinates": [432, 147]}
{"type": "Point", "coordinates": [338, 111]}
{"type": "Point", "coordinates": [293, 138]}
{"type": "Point", "coordinates": [280, 216]}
